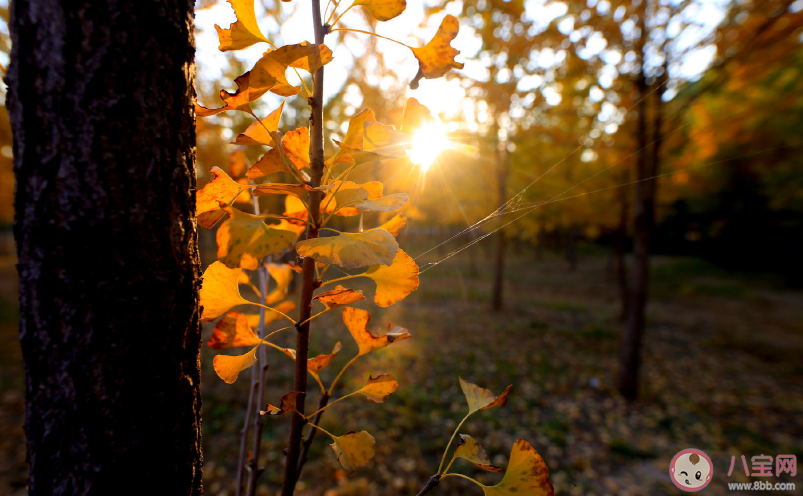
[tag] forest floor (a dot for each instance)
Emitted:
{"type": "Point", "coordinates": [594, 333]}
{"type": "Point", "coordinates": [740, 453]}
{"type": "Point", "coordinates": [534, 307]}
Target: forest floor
{"type": "Point", "coordinates": [722, 373]}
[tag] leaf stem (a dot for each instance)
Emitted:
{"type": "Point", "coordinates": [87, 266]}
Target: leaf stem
{"type": "Point", "coordinates": [340, 279]}
{"type": "Point", "coordinates": [324, 430]}
{"type": "Point", "coordinates": [330, 404]}
{"type": "Point", "coordinates": [316, 315]}
{"type": "Point", "coordinates": [332, 387]}
{"type": "Point", "coordinates": [446, 451]}
{"type": "Point", "coordinates": [372, 34]}
{"type": "Point", "coordinates": [449, 466]}
{"type": "Point", "coordinates": [274, 310]}
{"type": "Point", "coordinates": [275, 216]}
{"type": "Point", "coordinates": [341, 15]}
{"type": "Point", "coordinates": [462, 477]}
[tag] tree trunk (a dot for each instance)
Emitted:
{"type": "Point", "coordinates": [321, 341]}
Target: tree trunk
{"type": "Point", "coordinates": [502, 168]}
{"type": "Point", "coordinates": [100, 99]}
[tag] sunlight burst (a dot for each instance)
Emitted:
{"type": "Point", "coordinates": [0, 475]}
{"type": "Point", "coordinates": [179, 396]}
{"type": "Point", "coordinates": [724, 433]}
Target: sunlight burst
{"type": "Point", "coordinates": [428, 143]}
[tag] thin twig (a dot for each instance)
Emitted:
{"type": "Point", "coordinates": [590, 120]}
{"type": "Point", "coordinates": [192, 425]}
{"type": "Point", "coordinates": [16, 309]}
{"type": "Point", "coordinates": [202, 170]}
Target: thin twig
{"type": "Point", "coordinates": [311, 436]}
{"type": "Point", "coordinates": [431, 483]}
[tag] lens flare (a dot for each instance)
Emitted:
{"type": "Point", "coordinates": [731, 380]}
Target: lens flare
{"type": "Point", "coordinates": [428, 142]}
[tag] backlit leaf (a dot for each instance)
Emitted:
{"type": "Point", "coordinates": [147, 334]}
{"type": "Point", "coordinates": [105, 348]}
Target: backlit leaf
{"type": "Point", "coordinates": [243, 33]}
{"type": "Point", "coordinates": [357, 322]}
{"type": "Point", "coordinates": [298, 190]}
{"type": "Point", "coordinates": [220, 291]}
{"type": "Point", "coordinates": [257, 134]}
{"type": "Point", "coordinates": [354, 450]}
{"type": "Point", "coordinates": [385, 140]}
{"type": "Point", "coordinates": [436, 58]}
{"type": "Point", "coordinates": [394, 225]}
{"type": "Point", "coordinates": [269, 71]}
{"type": "Point", "coordinates": [239, 100]}
{"type": "Point", "coordinates": [396, 281]}
{"type": "Point", "coordinates": [389, 203]}
{"type": "Point", "coordinates": [347, 193]}
{"type": "Point", "coordinates": [526, 474]}
{"type": "Point", "coordinates": [415, 116]}
{"type": "Point", "coordinates": [383, 10]}
{"type": "Point", "coordinates": [378, 389]}
{"type": "Point", "coordinates": [353, 135]}
{"type": "Point", "coordinates": [312, 63]}
{"type": "Point", "coordinates": [237, 163]}
{"type": "Point", "coordinates": [315, 364]}
{"type": "Point", "coordinates": [362, 157]}
{"type": "Point", "coordinates": [339, 297]}
{"type": "Point", "coordinates": [480, 398]}
{"type": "Point", "coordinates": [282, 274]}
{"type": "Point", "coordinates": [232, 331]}
{"type": "Point", "coordinates": [295, 146]}
{"type": "Point", "coordinates": [287, 405]}
{"type": "Point", "coordinates": [351, 250]}
{"type": "Point", "coordinates": [228, 367]}
{"type": "Point", "coordinates": [244, 239]}
{"type": "Point", "coordinates": [469, 449]}
{"type": "Point", "coordinates": [221, 188]}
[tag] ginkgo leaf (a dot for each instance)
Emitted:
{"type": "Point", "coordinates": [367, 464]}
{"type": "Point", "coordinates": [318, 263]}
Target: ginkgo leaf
{"type": "Point", "coordinates": [415, 116]}
{"type": "Point", "coordinates": [283, 275]}
{"type": "Point", "coordinates": [469, 449]}
{"type": "Point", "coordinates": [228, 367]}
{"type": "Point", "coordinates": [243, 33]}
{"type": "Point", "coordinates": [436, 58]}
{"type": "Point", "coordinates": [394, 282]}
{"type": "Point", "coordinates": [383, 10]}
{"type": "Point", "coordinates": [480, 398]}
{"type": "Point", "coordinates": [269, 71]}
{"type": "Point", "coordinates": [295, 146]}
{"type": "Point", "coordinates": [268, 164]}
{"type": "Point", "coordinates": [526, 474]}
{"type": "Point", "coordinates": [357, 322]}
{"type": "Point", "coordinates": [315, 364]}
{"type": "Point", "coordinates": [389, 203]}
{"type": "Point", "coordinates": [285, 307]}
{"type": "Point", "coordinates": [287, 405]}
{"type": "Point", "coordinates": [220, 189]}
{"type": "Point", "coordinates": [339, 297]}
{"type": "Point", "coordinates": [342, 193]}
{"type": "Point", "coordinates": [258, 133]}
{"type": "Point", "coordinates": [312, 63]}
{"type": "Point", "coordinates": [220, 291]}
{"type": "Point", "coordinates": [237, 164]}
{"type": "Point", "coordinates": [351, 250]}
{"type": "Point", "coordinates": [233, 331]}
{"type": "Point", "coordinates": [298, 190]}
{"type": "Point", "coordinates": [394, 225]}
{"type": "Point", "coordinates": [239, 100]}
{"type": "Point", "coordinates": [244, 239]}
{"type": "Point", "coordinates": [354, 450]}
{"type": "Point", "coordinates": [245, 196]}
{"type": "Point", "coordinates": [362, 157]}
{"type": "Point", "coordinates": [378, 389]}
{"type": "Point", "coordinates": [353, 135]}
{"type": "Point", "coordinates": [385, 140]}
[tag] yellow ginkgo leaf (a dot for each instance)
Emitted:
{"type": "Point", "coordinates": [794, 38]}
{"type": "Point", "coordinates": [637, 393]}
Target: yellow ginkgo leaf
{"type": "Point", "coordinates": [258, 133]}
{"type": "Point", "coordinates": [297, 190]}
{"type": "Point", "coordinates": [341, 192]}
{"type": "Point", "coordinates": [239, 100]}
{"type": "Point", "coordinates": [283, 275]}
{"type": "Point", "coordinates": [244, 239]}
{"type": "Point", "coordinates": [220, 189]}
{"type": "Point", "coordinates": [361, 156]}
{"type": "Point", "coordinates": [219, 290]}
{"type": "Point", "coordinates": [526, 474]}
{"type": "Point", "coordinates": [351, 250]}
{"type": "Point", "coordinates": [354, 450]}
{"type": "Point", "coordinates": [383, 10]}
{"type": "Point", "coordinates": [415, 116]}
{"type": "Point", "coordinates": [269, 71]}
{"type": "Point", "coordinates": [312, 63]}
{"type": "Point", "coordinates": [395, 225]}
{"type": "Point", "coordinates": [295, 147]}
{"type": "Point", "coordinates": [233, 331]}
{"type": "Point", "coordinates": [243, 33]}
{"type": "Point", "coordinates": [394, 282]}
{"type": "Point", "coordinates": [237, 166]}
{"type": "Point", "coordinates": [384, 140]}
{"type": "Point", "coordinates": [378, 389]}
{"type": "Point", "coordinates": [480, 398]}
{"type": "Point", "coordinates": [353, 137]}
{"type": "Point", "coordinates": [339, 297]}
{"type": "Point", "coordinates": [315, 364]}
{"type": "Point", "coordinates": [228, 367]}
{"type": "Point", "coordinates": [389, 203]}
{"type": "Point", "coordinates": [357, 322]}
{"type": "Point", "coordinates": [436, 58]}
{"type": "Point", "coordinates": [287, 405]}
{"type": "Point", "coordinates": [469, 449]}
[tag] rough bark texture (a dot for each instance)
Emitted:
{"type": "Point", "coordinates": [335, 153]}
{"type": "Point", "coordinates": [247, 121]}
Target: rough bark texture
{"type": "Point", "coordinates": [100, 98]}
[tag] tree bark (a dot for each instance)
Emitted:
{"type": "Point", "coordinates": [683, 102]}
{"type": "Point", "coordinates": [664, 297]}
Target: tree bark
{"type": "Point", "coordinates": [100, 99]}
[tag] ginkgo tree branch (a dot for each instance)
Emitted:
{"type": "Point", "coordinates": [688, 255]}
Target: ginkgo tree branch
{"type": "Point", "coordinates": [311, 436]}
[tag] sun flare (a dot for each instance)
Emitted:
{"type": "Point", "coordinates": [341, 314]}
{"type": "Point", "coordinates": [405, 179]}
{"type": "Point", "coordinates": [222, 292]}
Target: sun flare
{"type": "Point", "coordinates": [428, 142]}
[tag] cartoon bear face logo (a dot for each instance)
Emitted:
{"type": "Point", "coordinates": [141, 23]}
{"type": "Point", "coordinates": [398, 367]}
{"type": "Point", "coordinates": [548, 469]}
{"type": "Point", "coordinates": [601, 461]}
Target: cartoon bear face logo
{"type": "Point", "coordinates": [691, 470]}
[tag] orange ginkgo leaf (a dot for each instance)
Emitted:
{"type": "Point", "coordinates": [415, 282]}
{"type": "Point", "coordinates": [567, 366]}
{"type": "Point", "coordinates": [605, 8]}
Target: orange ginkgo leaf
{"type": "Point", "coordinates": [285, 307]}
{"type": "Point", "coordinates": [394, 225]}
{"type": "Point", "coordinates": [378, 389]}
{"type": "Point", "coordinates": [383, 10]}
{"type": "Point", "coordinates": [258, 133]}
{"type": "Point", "coordinates": [228, 367]}
{"type": "Point", "coordinates": [295, 146]}
{"type": "Point", "coordinates": [480, 398]}
{"type": "Point", "coordinates": [353, 136]}
{"type": "Point", "coordinates": [315, 61]}
{"type": "Point", "coordinates": [220, 189]}
{"type": "Point", "coordinates": [436, 58]}
{"type": "Point", "coordinates": [469, 449]}
{"type": "Point", "coordinates": [297, 190]}
{"type": "Point", "coordinates": [243, 33]}
{"type": "Point", "coordinates": [237, 163]}
{"type": "Point", "coordinates": [526, 474]}
{"type": "Point", "coordinates": [287, 405]}
{"type": "Point", "coordinates": [362, 157]}
{"type": "Point", "coordinates": [357, 322]}
{"type": "Point", "coordinates": [415, 116]}
{"type": "Point", "coordinates": [315, 364]}
{"type": "Point", "coordinates": [389, 203]}
{"type": "Point", "coordinates": [354, 450]}
{"type": "Point", "coordinates": [239, 100]}
{"type": "Point", "coordinates": [244, 239]}
{"type": "Point", "coordinates": [394, 282]}
{"type": "Point", "coordinates": [385, 140]}
{"type": "Point", "coordinates": [219, 291]}
{"type": "Point", "coordinates": [342, 192]}
{"type": "Point", "coordinates": [295, 209]}
{"type": "Point", "coordinates": [282, 274]}
{"type": "Point", "coordinates": [351, 250]}
{"type": "Point", "coordinates": [233, 331]}
{"type": "Point", "coordinates": [339, 297]}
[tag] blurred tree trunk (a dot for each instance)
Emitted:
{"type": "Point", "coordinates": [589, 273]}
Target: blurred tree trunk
{"type": "Point", "coordinates": [100, 99]}
{"type": "Point", "coordinates": [502, 172]}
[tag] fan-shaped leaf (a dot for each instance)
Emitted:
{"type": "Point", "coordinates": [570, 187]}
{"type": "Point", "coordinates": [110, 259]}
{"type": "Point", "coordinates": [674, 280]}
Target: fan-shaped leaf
{"type": "Point", "coordinates": [469, 449]}
{"type": "Point", "coordinates": [389, 203]}
{"type": "Point", "coordinates": [480, 398]}
{"type": "Point", "coordinates": [233, 331]}
{"type": "Point", "coordinates": [315, 364]}
{"type": "Point", "coordinates": [415, 116]}
{"type": "Point", "coordinates": [357, 322]}
{"type": "Point", "coordinates": [339, 297]}
{"type": "Point", "coordinates": [228, 367]}
{"type": "Point", "coordinates": [351, 250]}
{"type": "Point", "coordinates": [394, 225]}
{"type": "Point", "coordinates": [394, 282]}
{"type": "Point", "coordinates": [244, 239]}
{"type": "Point", "coordinates": [348, 191]}
{"type": "Point", "coordinates": [295, 146]}
{"type": "Point", "coordinates": [354, 450]}
{"type": "Point", "coordinates": [220, 189]}
{"type": "Point", "coordinates": [436, 58]}
{"type": "Point", "coordinates": [526, 474]}
{"type": "Point", "coordinates": [283, 275]}
{"type": "Point", "coordinates": [258, 133]}
{"type": "Point", "coordinates": [243, 33]}
{"type": "Point", "coordinates": [312, 63]}
{"type": "Point", "coordinates": [378, 389]}
{"type": "Point", "coordinates": [219, 290]}
{"type": "Point", "coordinates": [297, 190]}
{"type": "Point", "coordinates": [353, 135]}
{"type": "Point", "coordinates": [287, 405]}
{"type": "Point", "coordinates": [383, 10]}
